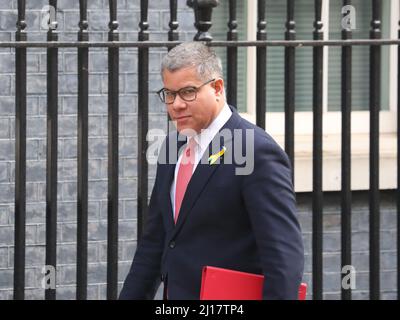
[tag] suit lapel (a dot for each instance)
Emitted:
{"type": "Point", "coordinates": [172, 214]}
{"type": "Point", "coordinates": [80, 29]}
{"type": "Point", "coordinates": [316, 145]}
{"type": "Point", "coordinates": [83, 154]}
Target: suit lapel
{"type": "Point", "coordinates": [204, 172]}
{"type": "Point", "coordinates": [165, 190]}
{"type": "Point", "coordinates": [165, 195]}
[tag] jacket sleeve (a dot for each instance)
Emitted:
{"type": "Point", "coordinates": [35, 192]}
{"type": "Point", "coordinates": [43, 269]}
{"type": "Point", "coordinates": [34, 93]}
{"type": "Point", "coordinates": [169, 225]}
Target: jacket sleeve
{"type": "Point", "coordinates": [270, 201]}
{"type": "Point", "coordinates": [143, 278]}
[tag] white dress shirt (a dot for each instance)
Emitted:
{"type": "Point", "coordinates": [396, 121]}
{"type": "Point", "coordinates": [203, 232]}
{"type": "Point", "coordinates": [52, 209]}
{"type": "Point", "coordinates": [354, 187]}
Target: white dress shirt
{"type": "Point", "coordinates": [203, 139]}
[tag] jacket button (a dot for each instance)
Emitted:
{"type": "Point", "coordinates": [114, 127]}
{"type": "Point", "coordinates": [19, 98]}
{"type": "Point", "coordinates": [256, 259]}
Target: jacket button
{"type": "Point", "coordinates": [162, 278]}
{"type": "Point", "coordinates": [172, 244]}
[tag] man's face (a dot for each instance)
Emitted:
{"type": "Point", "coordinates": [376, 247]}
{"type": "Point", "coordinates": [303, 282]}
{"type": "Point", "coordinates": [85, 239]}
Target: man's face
{"type": "Point", "coordinates": [196, 114]}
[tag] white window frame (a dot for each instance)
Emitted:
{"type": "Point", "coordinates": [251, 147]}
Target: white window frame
{"type": "Point", "coordinates": [332, 121]}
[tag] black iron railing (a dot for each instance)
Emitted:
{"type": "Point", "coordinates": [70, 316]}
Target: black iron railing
{"type": "Point", "coordinates": [346, 155]}
{"type": "Point", "coordinates": [83, 157]}
{"type": "Point", "coordinates": [203, 10]}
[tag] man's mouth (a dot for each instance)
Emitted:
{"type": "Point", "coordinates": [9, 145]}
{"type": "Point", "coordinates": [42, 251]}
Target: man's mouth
{"type": "Point", "coordinates": [182, 117]}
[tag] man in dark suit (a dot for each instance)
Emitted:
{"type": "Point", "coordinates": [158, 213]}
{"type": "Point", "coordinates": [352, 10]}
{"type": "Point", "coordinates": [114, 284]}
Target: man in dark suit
{"type": "Point", "coordinates": [225, 199]}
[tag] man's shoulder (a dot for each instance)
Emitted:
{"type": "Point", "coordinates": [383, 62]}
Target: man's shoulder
{"type": "Point", "coordinates": [263, 142]}
{"type": "Point", "coordinates": [260, 135]}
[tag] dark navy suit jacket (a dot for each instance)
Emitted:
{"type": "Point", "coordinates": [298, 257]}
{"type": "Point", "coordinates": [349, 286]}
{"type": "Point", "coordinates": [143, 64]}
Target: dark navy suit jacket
{"type": "Point", "coordinates": [241, 222]}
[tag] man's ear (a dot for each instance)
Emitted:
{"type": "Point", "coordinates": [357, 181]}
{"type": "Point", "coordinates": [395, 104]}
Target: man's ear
{"type": "Point", "coordinates": [219, 87]}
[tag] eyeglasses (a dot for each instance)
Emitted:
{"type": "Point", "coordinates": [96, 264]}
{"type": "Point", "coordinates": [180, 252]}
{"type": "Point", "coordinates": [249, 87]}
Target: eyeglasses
{"type": "Point", "coordinates": [186, 93]}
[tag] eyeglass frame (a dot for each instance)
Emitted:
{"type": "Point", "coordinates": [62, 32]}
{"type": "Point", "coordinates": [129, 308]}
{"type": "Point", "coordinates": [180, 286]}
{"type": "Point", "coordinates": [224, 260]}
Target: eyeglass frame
{"type": "Point", "coordinates": [159, 92]}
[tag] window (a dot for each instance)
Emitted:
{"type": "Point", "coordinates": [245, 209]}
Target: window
{"type": "Point", "coordinates": [304, 17]}
{"type": "Point", "coordinates": [331, 18]}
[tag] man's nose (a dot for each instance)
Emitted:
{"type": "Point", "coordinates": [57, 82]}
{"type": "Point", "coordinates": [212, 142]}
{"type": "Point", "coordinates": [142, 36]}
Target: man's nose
{"type": "Point", "coordinates": [178, 103]}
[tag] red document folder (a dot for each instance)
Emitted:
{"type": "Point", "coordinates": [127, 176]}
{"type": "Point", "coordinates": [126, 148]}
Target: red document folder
{"type": "Point", "coordinates": [226, 284]}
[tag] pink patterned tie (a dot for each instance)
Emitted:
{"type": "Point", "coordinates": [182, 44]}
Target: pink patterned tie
{"type": "Point", "coordinates": [184, 174]}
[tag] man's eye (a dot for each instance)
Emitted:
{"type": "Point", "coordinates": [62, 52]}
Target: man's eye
{"type": "Point", "coordinates": [168, 93]}
{"type": "Point", "coordinates": [188, 91]}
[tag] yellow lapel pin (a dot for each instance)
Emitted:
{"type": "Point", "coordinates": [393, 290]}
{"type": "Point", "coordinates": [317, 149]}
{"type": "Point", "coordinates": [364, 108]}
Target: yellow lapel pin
{"type": "Point", "coordinates": [214, 157]}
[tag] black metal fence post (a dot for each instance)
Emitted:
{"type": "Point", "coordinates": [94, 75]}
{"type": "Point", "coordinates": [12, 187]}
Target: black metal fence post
{"type": "Point", "coordinates": [261, 76]}
{"type": "Point", "coordinates": [317, 207]}
{"type": "Point", "coordinates": [290, 52]}
{"type": "Point", "coordinates": [375, 77]}
{"type": "Point", "coordinates": [173, 34]}
{"type": "Point", "coordinates": [20, 156]}
{"type": "Point", "coordinates": [52, 154]}
{"type": "Point", "coordinates": [202, 13]}
{"type": "Point", "coordinates": [143, 118]}
{"type": "Point", "coordinates": [113, 155]}
{"type": "Point", "coordinates": [232, 54]}
{"type": "Point", "coordinates": [346, 157]}
{"type": "Point", "coordinates": [82, 203]}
